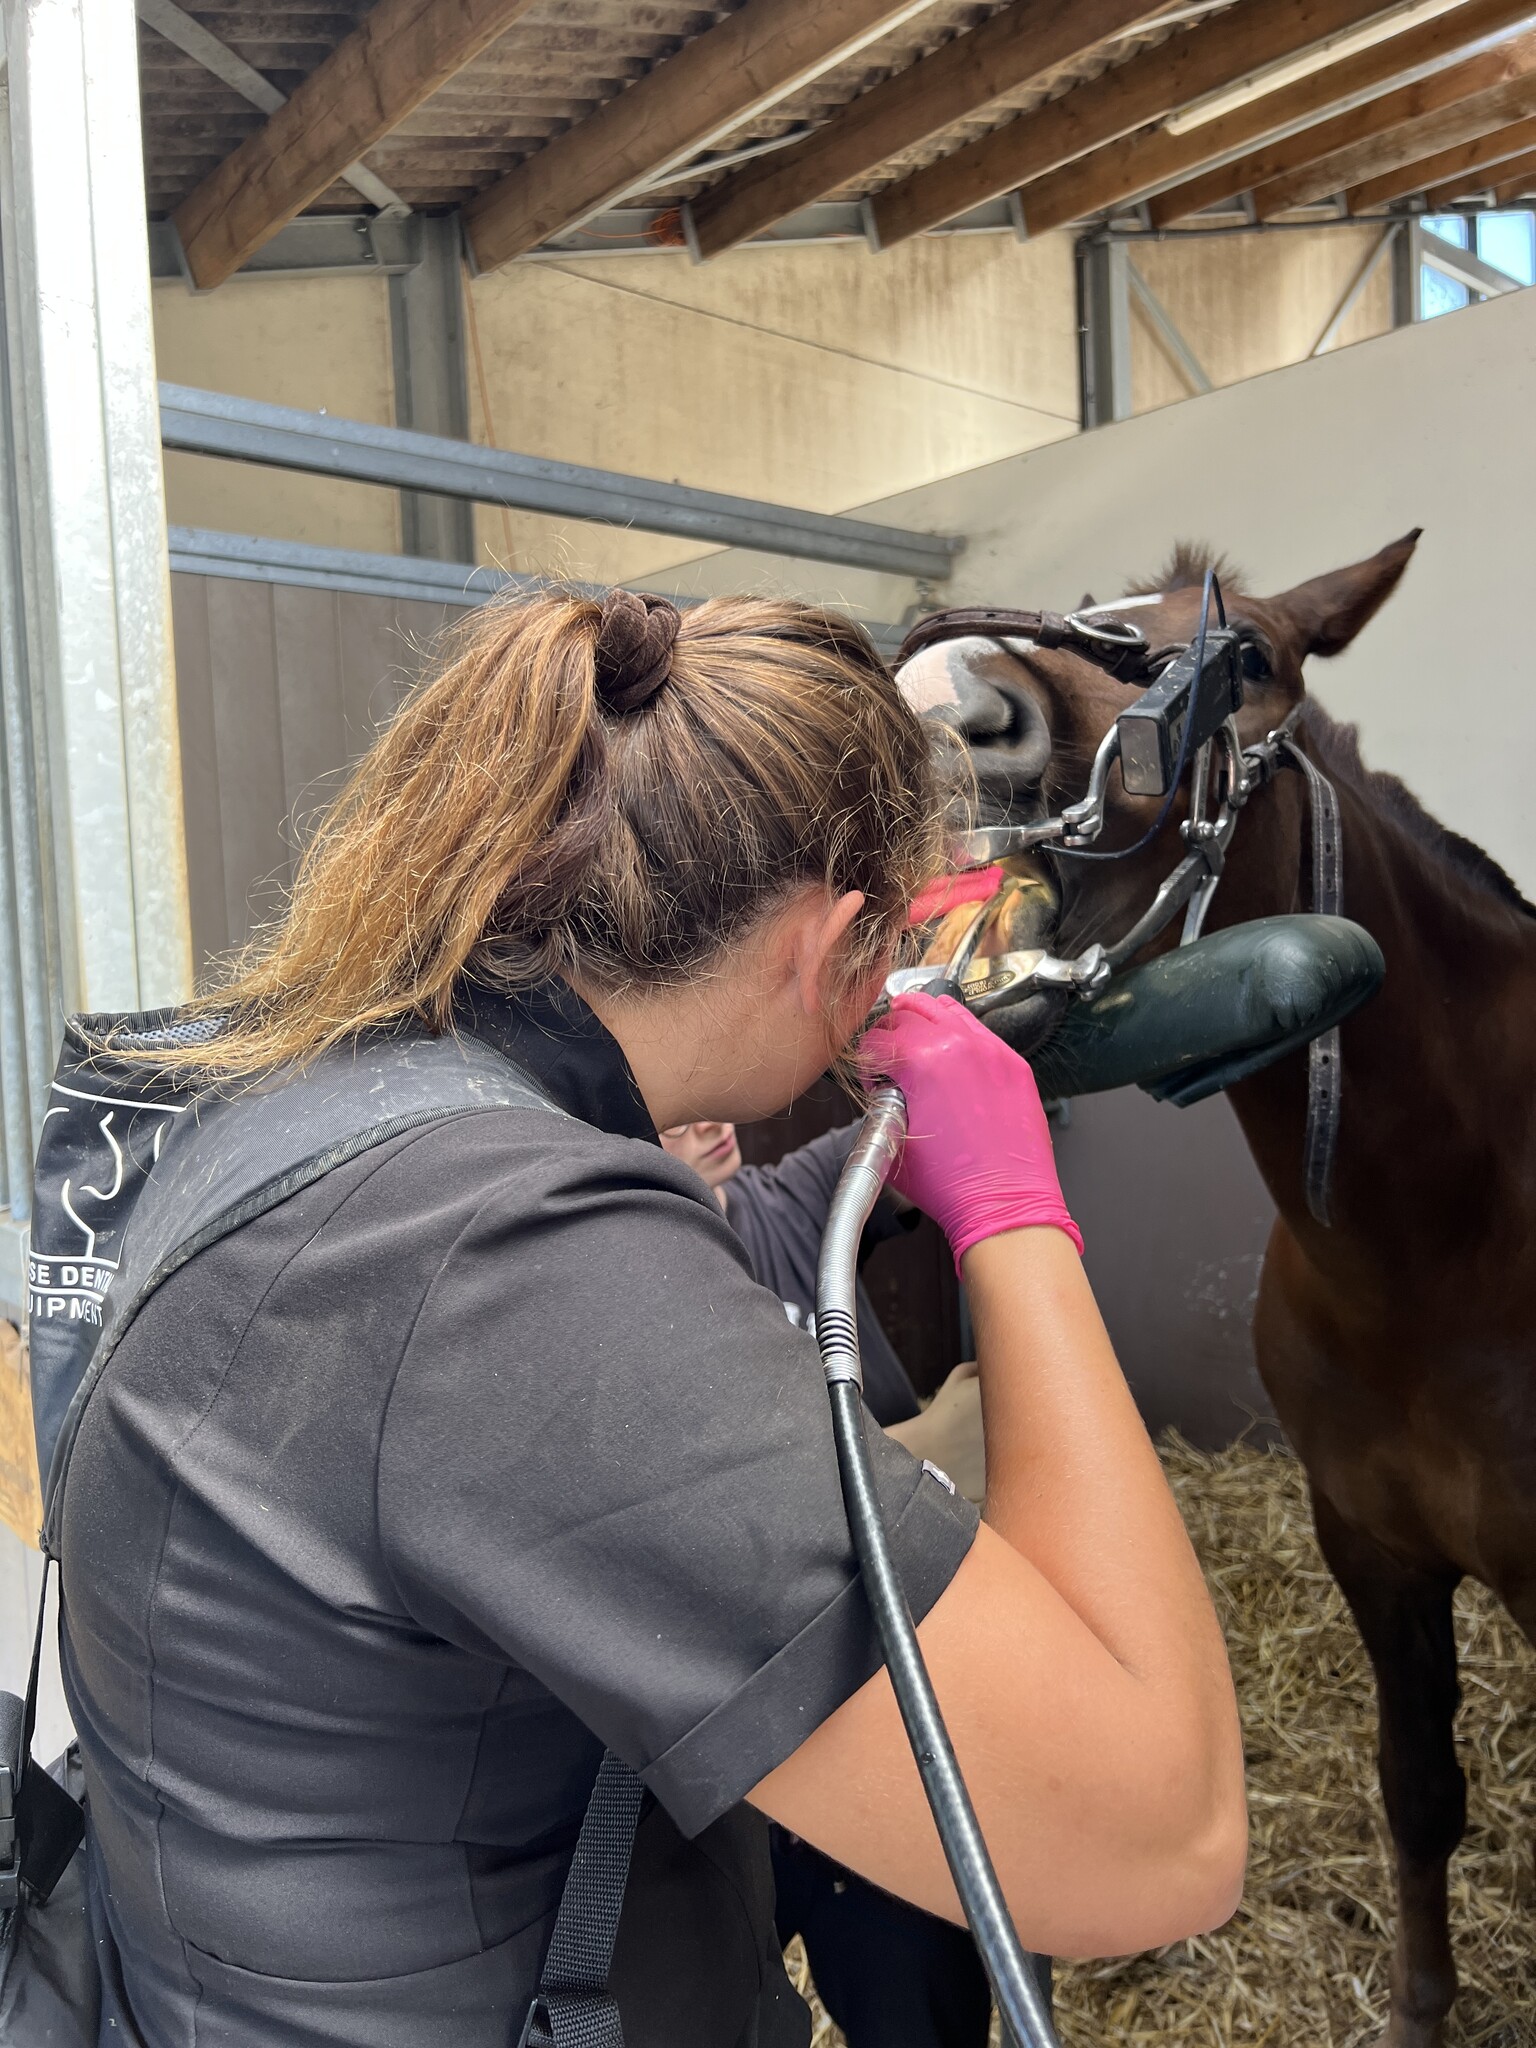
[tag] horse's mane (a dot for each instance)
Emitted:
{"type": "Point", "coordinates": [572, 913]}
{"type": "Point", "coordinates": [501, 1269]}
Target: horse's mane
{"type": "Point", "coordinates": [1338, 752]}
{"type": "Point", "coordinates": [1185, 569]}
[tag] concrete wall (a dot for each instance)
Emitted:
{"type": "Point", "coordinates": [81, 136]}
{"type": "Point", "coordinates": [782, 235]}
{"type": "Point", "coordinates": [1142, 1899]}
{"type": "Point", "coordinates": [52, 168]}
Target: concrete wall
{"type": "Point", "coordinates": [821, 376]}
{"type": "Point", "coordinates": [816, 377]}
{"type": "Point", "coordinates": [1248, 304]}
{"type": "Point", "coordinates": [319, 343]}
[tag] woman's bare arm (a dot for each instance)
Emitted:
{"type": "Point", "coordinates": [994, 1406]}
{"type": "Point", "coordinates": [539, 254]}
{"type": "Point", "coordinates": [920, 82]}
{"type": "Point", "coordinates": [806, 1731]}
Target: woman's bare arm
{"type": "Point", "coordinates": [1075, 1655]}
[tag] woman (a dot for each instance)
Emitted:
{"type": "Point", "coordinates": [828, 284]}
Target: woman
{"type": "Point", "coordinates": [890, 1975]}
{"type": "Point", "coordinates": [399, 1503]}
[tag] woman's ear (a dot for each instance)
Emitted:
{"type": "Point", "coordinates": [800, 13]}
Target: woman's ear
{"type": "Point", "coordinates": [819, 928]}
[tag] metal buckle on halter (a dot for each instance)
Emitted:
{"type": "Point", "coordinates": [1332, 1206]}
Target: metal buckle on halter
{"type": "Point", "coordinates": [1120, 646]}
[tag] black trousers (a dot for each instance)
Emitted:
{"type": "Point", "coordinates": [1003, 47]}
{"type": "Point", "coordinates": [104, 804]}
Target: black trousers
{"type": "Point", "coordinates": [890, 1975]}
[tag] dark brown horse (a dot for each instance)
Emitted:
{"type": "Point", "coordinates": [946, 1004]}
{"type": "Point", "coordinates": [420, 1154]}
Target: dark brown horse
{"type": "Point", "coordinates": [1399, 1345]}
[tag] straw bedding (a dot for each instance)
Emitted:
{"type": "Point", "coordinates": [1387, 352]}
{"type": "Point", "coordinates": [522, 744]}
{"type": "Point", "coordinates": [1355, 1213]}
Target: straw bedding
{"type": "Point", "coordinates": [1304, 1963]}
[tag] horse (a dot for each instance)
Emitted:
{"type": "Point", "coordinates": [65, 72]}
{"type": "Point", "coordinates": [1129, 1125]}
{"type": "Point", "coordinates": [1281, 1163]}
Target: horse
{"type": "Point", "coordinates": [1397, 1342]}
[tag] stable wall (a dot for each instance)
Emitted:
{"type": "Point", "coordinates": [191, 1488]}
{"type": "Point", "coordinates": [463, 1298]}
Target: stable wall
{"type": "Point", "coordinates": [321, 343]}
{"type": "Point", "coordinates": [820, 376]}
{"type": "Point", "coordinates": [1248, 304]}
{"type": "Point", "coordinates": [816, 377]}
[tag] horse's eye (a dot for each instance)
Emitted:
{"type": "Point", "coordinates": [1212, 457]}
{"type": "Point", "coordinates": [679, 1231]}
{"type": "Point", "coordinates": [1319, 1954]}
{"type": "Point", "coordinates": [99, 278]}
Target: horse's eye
{"type": "Point", "coordinates": [1256, 663]}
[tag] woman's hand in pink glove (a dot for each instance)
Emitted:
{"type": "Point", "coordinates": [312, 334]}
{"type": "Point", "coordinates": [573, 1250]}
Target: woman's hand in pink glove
{"type": "Point", "coordinates": [978, 1155]}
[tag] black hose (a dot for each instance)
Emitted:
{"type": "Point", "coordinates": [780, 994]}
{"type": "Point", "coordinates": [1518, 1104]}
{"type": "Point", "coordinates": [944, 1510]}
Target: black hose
{"type": "Point", "coordinates": [1009, 1967]}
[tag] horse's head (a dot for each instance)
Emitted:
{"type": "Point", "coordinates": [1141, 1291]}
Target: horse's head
{"type": "Point", "coordinates": [1034, 719]}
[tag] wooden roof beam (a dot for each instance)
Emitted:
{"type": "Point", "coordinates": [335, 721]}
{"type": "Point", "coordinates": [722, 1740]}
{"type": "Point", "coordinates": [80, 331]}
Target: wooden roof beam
{"type": "Point", "coordinates": [733, 72]}
{"type": "Point", "coordinates": [396, 57]}
{"type": "Point", "coordinates": [1388, 148]}
{"type": "Point", "coordinates": [1284, 156]}
{"type": "Point", "coordinates": [1146, 88]}
{"type": "Point", "coordinates": [1517, 180]}
{"type": "Point", "coordinates": [1455, 165]}
{"type": "Point", "coordinates": [1146, 162]}
{"type": "Point", "coordinates": [1004, 54]}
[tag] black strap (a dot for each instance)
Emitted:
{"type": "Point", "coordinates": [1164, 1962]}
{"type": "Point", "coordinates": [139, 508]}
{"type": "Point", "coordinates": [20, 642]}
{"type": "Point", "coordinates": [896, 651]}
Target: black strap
{"type": "Point", "coordinates": [29, 1705]}
{"type": "Point", "coordinates": [43, 1825]}
{"type": "Point", "coordinates": [573, 2007]}
{"type": "Point", "coordinates": [1325, 1064]}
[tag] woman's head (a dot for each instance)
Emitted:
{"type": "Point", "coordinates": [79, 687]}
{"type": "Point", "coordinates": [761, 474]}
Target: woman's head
{"type": "Point", "coordinates": [618, 794]}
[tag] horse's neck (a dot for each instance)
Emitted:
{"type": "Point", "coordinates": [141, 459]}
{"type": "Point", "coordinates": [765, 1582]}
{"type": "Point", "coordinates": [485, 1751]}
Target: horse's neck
{"type": "Point", "coordinates": [1436, 1125]}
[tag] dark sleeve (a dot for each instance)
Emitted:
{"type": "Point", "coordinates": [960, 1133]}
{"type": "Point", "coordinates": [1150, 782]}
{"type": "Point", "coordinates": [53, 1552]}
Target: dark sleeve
{"type": "Point", "coordinates": [608, 1458]}
{"type": "Point", "coordinates": [780, 1212]}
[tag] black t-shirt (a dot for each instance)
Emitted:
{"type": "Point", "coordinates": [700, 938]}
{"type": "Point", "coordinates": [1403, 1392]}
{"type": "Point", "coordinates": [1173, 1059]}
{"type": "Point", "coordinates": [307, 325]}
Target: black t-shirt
{"type": "Point", "coordinates": [780, 1214]}
{"type": "Point", "coordinates": [393, 1508]}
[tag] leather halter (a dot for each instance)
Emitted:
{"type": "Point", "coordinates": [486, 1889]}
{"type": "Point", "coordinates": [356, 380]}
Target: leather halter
{"type": "Point", "coordinates": [1325, 1057]}
{"type": "Point", "coordinates": [1120, 648]}
{"type": "Point", "coordinates": [1113, 644]}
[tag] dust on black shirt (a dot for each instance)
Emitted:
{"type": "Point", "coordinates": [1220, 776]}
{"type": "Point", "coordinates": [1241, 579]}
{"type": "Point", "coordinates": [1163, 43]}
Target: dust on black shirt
{"type": "Point", "coordinates": [398, 1504]}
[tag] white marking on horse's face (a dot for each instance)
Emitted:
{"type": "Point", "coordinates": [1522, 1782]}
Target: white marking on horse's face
{"type": "Point", "coordinates": [1122, 604]}
{"type": "Point", "coordinates": [956, 680]}
{"type": "Point", "coordinates": [929, 680]}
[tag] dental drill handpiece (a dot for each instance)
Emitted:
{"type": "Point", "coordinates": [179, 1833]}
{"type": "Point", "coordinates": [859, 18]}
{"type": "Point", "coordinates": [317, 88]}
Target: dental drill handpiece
{"type": "Point", "coordinates": [1026, 2021]}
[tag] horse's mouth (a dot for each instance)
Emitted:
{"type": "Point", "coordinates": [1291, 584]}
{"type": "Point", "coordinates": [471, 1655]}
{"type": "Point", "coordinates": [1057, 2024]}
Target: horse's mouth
{"type": "Point", "coordinates": [1023, 920]}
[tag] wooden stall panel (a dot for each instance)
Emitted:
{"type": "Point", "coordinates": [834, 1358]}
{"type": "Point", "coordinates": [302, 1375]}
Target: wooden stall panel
{"type": "Point", "coordinates": [279, 689]}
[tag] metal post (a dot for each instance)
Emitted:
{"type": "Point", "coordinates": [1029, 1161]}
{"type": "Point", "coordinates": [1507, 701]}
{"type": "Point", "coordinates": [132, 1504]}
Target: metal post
{"type": "Point", "coordinates": [92, 761]}
{"type": "Point", "coordinates": [1407, 255]}
{"type": "Point", "coordinates": [426, 326]}
{"type": "Point", "coordinates": [1104, 321]}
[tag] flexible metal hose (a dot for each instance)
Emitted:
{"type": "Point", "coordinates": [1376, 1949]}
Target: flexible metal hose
{"type": "Point", "coordinates": [1008, 1965]}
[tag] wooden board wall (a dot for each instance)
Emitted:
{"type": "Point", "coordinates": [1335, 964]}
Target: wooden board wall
{"type": "Point", "coordinates": [278, 688]}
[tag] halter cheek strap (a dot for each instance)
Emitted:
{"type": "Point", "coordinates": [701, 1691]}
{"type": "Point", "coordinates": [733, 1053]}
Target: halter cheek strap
{"type": "Point", "coordinates": [1325, 1060]}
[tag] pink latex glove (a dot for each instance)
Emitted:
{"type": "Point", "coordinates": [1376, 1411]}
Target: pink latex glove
{"type": "Point", "coordinates": [978, 1157]}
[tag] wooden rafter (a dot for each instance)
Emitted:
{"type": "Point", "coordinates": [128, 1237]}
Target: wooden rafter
{"type": "Point", "coordinates": [1147, 162]}
{"type": "Point", "coordinates": [1516, 180]}
{"type": "Point", "coordinates": [1385, 149]}
{"type": "Point", "coordinates": [1147, 88]}
{"type": "Point", "coordinates": [1003, 55]}
{"type": "Point", "coordinates": [1291, 155]}
{"type": "Point", "coordinates": [1424, 174]}
{"type": "Point", "coordinates": [396, 57]}
{"type": "Point", "coordinates": [746, 63]}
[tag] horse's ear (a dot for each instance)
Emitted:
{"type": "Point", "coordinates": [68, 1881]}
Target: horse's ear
{"type": "Point", "coordinates": [1326, 613]}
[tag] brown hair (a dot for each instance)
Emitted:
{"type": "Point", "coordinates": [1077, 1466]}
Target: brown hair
{"type": "Point", "coordinates": [514, 823]}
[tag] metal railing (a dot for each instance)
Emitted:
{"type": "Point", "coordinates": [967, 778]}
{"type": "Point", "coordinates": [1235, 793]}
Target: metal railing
{"type": "Point", "coordinates": [245, 430]}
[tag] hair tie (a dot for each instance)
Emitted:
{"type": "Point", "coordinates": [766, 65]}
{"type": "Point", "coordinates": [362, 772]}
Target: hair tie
{"type": "Point", "coordinates": [633, 656]}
